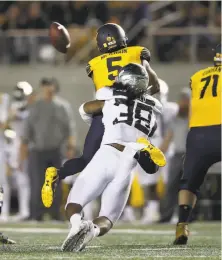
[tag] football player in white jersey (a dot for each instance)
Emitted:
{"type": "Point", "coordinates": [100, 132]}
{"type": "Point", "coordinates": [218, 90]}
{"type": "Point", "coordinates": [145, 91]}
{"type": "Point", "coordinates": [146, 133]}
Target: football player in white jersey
{"type": "Point", "coordinates": [4, 112]}
{"type": "Point", "coordinates": [18, 112]}
{"type": "Point", "coordinates": [149, 182]}
{"type": "Point", "coordinates": [129, 119]}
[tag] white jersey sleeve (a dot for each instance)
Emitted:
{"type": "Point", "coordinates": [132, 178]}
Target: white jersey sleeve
{"type": "Point", "coordinates": [105, 93]}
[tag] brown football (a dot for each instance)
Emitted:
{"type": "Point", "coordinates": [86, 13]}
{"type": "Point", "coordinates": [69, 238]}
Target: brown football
{"type": "Point", "coordinates": [59, 37]}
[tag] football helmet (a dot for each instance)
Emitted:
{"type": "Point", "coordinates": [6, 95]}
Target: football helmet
{"type": "Point", "coordinates": [110, 37]}
{"type": "Point", "coordinates": [133, 79]}
{"type": "Point", "coordinates": [19, 94]}
{"type": "Point", "coordinates": [217, 55]}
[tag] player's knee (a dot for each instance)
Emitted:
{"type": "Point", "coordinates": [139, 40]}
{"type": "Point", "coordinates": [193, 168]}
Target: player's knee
{"type": "Point", "coordinates": [146, 163]}
{"type": "Point", "coordinates": [185, 184]}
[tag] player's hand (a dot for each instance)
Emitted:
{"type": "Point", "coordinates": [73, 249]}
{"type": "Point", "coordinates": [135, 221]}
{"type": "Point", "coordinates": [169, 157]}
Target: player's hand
{"type": "Point", "coordinates": [155, 87]}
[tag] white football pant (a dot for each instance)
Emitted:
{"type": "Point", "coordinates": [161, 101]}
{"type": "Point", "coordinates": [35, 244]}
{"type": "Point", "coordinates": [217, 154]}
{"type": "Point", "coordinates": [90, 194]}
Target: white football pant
{"type": "Point", "coordinates": [19, 178]}
{"type": "Point", "coordinates": [108, 174]}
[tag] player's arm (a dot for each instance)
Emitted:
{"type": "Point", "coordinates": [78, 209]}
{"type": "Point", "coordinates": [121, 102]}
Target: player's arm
{"type": "Point", "coordinates": [153, 79]}
{"type": "Point", "coordinates": [90, 108]}
{"type": "Point", "coordinates": [93, 107]}
{"type": "Point", "coordinates": [166, 141]}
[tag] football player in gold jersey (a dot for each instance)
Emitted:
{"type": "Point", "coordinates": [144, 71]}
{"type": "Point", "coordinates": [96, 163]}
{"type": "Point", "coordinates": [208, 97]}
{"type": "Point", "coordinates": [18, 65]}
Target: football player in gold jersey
{"type": "Point", "coordinates": [203, 147]}
{"type": "Point", "coordinates": [112, 43]}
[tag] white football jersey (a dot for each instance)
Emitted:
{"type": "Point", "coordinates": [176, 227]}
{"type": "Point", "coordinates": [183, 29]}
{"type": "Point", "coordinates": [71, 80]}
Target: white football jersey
{"type": "Point", "coordinates": [21, 115]}
{"type": "Point", "coordinates": [124, 123]}
{"type": "Point", "coordinates": [4, 110]}
{"type": "Point", "coordinates": [12, 152]}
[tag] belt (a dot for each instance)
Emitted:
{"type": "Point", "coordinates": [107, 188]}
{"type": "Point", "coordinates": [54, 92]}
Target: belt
{"type": "Point", "coordinates": [119, 147]}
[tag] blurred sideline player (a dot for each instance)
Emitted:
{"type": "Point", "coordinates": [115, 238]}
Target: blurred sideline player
{"type": "Point", "coordinates": [3, 239]}
{"type": "Point", "coordinates": [4, 109]}
{"type": "Point", "coordinates": [149, 182]}
{"type": "Point", "coordinates": [112, 43]}
{"type": "Point", "coordinates": [22, 97]}
{"type": "Point", "coordinates": [129, 119]}
{"type": "Point", "coordinates": [4, 113]}
{"type": "Point", "coordinates": [203, 147]}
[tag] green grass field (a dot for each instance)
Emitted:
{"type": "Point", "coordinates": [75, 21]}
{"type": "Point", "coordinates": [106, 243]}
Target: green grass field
{"type": "Point", "coordinates": [43, 241]}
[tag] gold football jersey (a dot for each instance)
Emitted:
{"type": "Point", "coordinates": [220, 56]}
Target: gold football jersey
{"type": "Point", "coordinates": [104, 68]}
{"type": "Point", "coordinates": [206, 97]}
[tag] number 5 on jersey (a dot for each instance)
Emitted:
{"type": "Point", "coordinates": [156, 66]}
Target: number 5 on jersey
{"type": "Point", "coordinates": [112, 67]}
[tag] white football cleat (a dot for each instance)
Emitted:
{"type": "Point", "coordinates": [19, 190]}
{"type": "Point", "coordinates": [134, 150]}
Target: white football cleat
{"type": "Point", "coordinates": [86, 237]}
{"type": "Point", "coordinates": [75, 237]}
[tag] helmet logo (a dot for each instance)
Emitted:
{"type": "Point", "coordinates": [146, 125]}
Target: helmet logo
{"type": "Point", "coordinates": [218, 57]}
{"type": "Point", "coordinates": [109, 39]}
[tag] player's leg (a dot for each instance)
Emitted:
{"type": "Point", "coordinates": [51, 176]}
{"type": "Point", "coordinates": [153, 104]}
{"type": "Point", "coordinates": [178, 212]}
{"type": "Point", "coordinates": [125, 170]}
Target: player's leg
{"type": "Point", "coordinates": [88, 186]}
{"type": "Point", "coordinates": [170, 199]}
{"type": "Point", "coordinates": [3, 239]}
{"type": "Point", "coordinates": [5, 210]}
{"type": "Point", "coordinates": [113, 201]}
{"type": "Point", "coordinates": [151, 207]}
{"type": "Point", "coordinates": [203, 150]}
{"type": "Point", "coordinates": [155, 158]}
{"type": "Point", "coordinates": [22, 183]}
{"type": "Point", "coordinates": [76, 165]}
{"type": "Point", "coordinates": [112, 206]}
{"type": "Point", "coordinates": [23, 188]}
{"type": "Point", "coordinates": [91, 146]}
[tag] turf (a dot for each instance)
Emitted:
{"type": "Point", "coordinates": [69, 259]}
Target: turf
{"type": "Point", "coordinates": [43, 241]}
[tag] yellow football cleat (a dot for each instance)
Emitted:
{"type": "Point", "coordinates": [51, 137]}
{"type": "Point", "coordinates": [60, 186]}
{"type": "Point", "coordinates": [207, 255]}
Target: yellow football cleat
{"type": "Point", "coordinates": [182, 233]}
{"type": "Point", "coordinates": [156, 154]}
{"type": "Point", "coordinates": [48, 188]}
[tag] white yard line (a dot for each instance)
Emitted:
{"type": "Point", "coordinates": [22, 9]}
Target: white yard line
{"type": "Point", "coordinates": [59, 247]}
{"type": "Point", "coordinates": [113, 231]}
{"type": "Point", "coordinates": [163, 248]}
{"type": "Point", "coordinates": [115, 257]}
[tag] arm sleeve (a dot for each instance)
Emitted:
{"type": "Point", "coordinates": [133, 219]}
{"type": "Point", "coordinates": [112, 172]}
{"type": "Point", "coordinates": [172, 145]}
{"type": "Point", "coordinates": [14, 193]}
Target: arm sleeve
{"type": "Point", "coordinates": [145, 54]}
{"type": "Point", "coordinates": [87, 118]}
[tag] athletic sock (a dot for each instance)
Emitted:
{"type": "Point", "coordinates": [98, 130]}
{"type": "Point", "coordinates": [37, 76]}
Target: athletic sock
{"type": "Point", "coordinates": [184, 213]}
{"type": "Point", "coordinates": [153, 206]}
{"type": "Point", "coordinates": [96, 230]}
{"type": "Point", "coordinates": [75, 220]}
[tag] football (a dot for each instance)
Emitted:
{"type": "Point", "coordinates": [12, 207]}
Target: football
{"type": "Point", "coordinates": [59, 37]}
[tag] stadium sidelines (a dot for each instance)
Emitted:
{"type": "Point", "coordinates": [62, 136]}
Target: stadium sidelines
{"type": "Point", "coordinates": [113, 231]}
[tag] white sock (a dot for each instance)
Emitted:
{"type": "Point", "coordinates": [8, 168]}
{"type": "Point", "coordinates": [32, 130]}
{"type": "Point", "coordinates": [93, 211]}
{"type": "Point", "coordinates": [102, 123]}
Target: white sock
{"type": "Point", "coordinates": [23, 199]}
{"type": "Point", "coordinates": [75, 220]}
{"type": "Point", "coordinates": [153, 205]}
{"type": "Point", "coordinates": [96, 230]}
